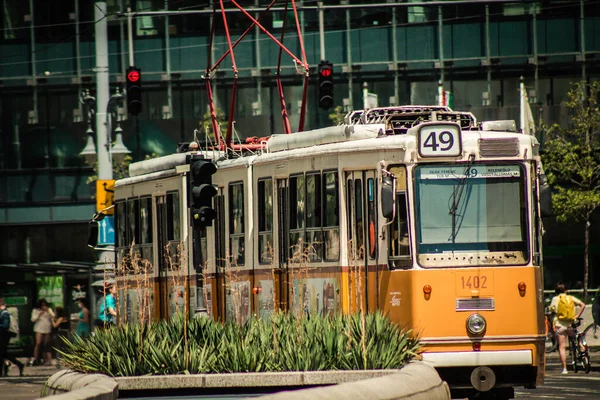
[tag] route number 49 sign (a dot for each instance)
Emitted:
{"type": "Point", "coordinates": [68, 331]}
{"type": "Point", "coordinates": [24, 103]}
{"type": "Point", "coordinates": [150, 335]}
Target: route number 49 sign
{"type": "Point", "coordinates": [439, 140]}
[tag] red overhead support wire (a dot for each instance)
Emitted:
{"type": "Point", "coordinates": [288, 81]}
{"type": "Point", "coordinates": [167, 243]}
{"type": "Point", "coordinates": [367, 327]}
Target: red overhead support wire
{"type": "Point", "coordinates": [210, 69]}
{"type": "Point", "coordinates": [211, 103]}
{"type": "Point", "coordinates": [235, 78]}
{"type": "Point", "coordinates": [284, 114]}
{"type": "Point", "coordinates": [241, 37]}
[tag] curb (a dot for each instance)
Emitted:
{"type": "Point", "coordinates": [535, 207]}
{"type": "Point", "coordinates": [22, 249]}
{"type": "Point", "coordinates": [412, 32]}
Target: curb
{"type": "Point", "coordinates": [415, 381]}
{"type": "Point", "coordinates": [71, 385]}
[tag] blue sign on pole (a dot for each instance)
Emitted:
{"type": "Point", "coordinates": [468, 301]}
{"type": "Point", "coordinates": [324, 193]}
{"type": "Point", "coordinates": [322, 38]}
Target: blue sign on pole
{"type": "Point", "coordinates": [106, 231]}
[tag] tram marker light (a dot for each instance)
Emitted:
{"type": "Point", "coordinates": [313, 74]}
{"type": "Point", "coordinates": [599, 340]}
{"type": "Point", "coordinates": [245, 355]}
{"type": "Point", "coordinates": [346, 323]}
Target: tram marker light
{"type": "Point", "coordinates": [133, 79]}
{"type": "Point", "coordinates": [522, 288]}
{"type": "Point", "coordinates": [325, 85]}
{"type": "Point", "coordinates": [427, 292]}
{"type": "Point", "coordinates": [202, 191]}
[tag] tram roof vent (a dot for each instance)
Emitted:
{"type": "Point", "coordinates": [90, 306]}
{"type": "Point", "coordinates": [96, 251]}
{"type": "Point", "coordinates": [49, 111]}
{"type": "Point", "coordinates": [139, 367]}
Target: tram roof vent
{"type": "Point", "coordinates": [399, 120]}
{"type": "Point", "coordinates": [332, 134]}
{"type": "Point", "coordinates": [499, 147]}
{"type": "Point", "coordinates": [508, 125]}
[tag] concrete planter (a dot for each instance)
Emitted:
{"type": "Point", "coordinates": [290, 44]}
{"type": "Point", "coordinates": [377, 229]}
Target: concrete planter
{"type": "Point", "coordinates": [416, 381]}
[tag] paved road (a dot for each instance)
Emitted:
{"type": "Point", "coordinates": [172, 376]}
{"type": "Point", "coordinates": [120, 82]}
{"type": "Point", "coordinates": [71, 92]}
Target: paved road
{"type": "Point", "coordinates": [572, 386]}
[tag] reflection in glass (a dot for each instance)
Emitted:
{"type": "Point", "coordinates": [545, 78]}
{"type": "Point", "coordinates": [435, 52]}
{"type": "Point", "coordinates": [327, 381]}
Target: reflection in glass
{"type": "Point", "coordinates": [146, 220]}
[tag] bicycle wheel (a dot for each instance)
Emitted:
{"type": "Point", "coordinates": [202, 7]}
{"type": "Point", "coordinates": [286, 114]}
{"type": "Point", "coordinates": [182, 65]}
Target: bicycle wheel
{"type": "Point", "coordinates": [574, 353]}
{"type": "Point", "coordinates": [585, 362]}
{"type": "Point", "coordinates": [551, 343]}
{"type": "Point", "coordinates": [588, 333]}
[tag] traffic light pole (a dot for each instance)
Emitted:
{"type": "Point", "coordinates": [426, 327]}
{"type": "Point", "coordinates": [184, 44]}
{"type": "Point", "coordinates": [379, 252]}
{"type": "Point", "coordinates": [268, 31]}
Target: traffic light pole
{"type": "Point", "coordinates": [105, 171]}
{"type": "Point", "coordinates": [130, 36]}
{"type": "Point", "coordinates": [102, 91]}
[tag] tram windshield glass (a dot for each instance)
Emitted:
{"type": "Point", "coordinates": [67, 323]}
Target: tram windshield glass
{"type": "Point", "coordinates": [471, 214]}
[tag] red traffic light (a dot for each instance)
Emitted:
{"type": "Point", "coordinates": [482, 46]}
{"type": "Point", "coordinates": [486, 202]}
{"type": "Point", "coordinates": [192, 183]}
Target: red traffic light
{"type": "Point", "coordinates": [133, 76]}
{"type": "Point", "coordinates": [326, 72]}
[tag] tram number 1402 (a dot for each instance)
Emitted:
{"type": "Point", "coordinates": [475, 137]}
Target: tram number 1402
{"type": "Point", "coordinates": [439, 140]}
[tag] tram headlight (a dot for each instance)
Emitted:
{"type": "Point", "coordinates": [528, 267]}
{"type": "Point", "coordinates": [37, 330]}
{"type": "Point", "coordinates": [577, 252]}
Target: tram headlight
{"type": "Point", "coordinates": [476, 324]}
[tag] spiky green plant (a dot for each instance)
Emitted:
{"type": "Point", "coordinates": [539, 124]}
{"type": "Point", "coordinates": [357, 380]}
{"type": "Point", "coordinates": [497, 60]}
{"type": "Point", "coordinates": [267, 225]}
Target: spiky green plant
{"type": "Point", "coordinates": [303, 343]}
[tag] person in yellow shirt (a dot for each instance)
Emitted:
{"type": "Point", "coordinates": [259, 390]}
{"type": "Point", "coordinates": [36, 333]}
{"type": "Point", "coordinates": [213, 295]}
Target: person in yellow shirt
{"type": "Point", "coordinates": [563, 305]}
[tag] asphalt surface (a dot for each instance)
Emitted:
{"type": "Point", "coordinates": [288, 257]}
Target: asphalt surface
{"type": "Point", "coordinates": [556, 386]}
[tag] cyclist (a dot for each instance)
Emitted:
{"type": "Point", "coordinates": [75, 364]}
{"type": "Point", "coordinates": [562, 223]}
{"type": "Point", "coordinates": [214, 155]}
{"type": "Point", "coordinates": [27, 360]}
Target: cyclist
{"type": "Point", "coordinates": [596, 312]}
{"type": "Point", "coordinates": [563, 305]}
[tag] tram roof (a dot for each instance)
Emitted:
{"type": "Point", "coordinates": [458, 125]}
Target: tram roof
{"type": "Point", "coordinates": [373, 129]}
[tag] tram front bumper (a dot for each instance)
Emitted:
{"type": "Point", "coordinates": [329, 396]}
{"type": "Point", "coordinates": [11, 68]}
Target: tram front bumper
{"type": "Point", "coordinates": [478, 358]}
{"type": "Point", "coordinates": [464, 370]}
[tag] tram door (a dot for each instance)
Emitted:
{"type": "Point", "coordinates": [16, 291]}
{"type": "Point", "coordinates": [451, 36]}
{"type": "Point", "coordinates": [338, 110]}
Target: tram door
{"type": "Point", "coordinates": [162, 213]}
{"type": "Point", "coordinates": [283, 242]}
{"type": "Point", "coordinates": [361, 200]}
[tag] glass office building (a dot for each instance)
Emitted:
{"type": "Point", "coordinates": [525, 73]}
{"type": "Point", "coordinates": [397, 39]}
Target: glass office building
{"type": "Point", "coordinates": [399, 49]}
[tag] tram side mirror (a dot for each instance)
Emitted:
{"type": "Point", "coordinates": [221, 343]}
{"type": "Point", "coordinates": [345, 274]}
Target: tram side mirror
{"type": "Point", "coordinates": [94, 229]}
{"type": "Point", "coordinates": [388, 197]}
{"type": "Point", "coordinates": [545, 197]}
{"type": "Point", "coordinates": [93, 233]}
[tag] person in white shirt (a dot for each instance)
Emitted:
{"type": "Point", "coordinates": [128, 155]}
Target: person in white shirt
{"type": "Point", "coordinates": [42, 317]}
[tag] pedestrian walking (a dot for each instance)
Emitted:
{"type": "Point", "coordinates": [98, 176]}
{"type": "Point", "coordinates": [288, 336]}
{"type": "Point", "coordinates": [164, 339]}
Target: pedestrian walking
{"type": "Point", "coordinates": [83, 319]}
{"type": "Point", "coordinates": [41, 316]}
{"type": "Point", "coordinates": [107, 315]}
{"type": "Point", "coordinates": [5, 336]}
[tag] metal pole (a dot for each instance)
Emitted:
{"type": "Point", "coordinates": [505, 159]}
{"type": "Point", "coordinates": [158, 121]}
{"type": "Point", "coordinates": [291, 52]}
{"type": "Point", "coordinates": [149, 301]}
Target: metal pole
{"type": "Point", "coordinates": [33, 63]}
{"type": "Point", "coordinates": [582, 34]}
{"type": "Point", "coordinates": [488, 55]}
{"type": "Point", "coordinates": [105, 171]}
{"type": "Point", "coordinates": [535, 53]}
{"type": "Point", "coordinates": [321, 28]}
{"type": "Point", "coordinates": [130, 36]}
{"type": "Point", "coordinates": [168, 62]}
{"type": "Point", "coordinates": [395, 58]}
{"type": "Point", "coordinates": [441, 42]}
{"type": "Point", "coordinates": [258, 63]}
{"type": "Point", "coordinates": [349, 50]}
{"type": "Point", "coordinates": [78, 54]}
{"type": "Point", "coordinates": [122, 38]}
{"type": "Point", "coordinates": [102, 91]}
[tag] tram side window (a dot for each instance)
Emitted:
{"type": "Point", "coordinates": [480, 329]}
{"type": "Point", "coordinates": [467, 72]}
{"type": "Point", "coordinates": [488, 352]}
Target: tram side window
{"type": "Point", "coordinates": [297, 207]}
{"type": "Point", "coordinates": [314, 217]}
{"type": "Point", "coordinates": [146, 220]}
{"type": "Point", "coordinates": [219, 231]}
{"type": "Point", "coordinates": [399, 244]}
{"type": "Point", "coordinates": [120, 220]}
{"type": "Point", "coordinates": [331, 217]}
{"type": "Point", "coordinates": [314, 234]}
{"type": "Point", "coordinates": [133, 223]}
{"type": "Point", "coordinates": [236, 223]}
{"type": "Point", "coordinates": [146, 227]}
{"type": "Point", "coordinates": [121, 231]}
{"type": "Point", "coordinates": [358, 204]}
{"type": "Point", "coordinates": [371, 215]}
{"type": "Point", "coordinates": [265, 221]}
{"type": "Point", "coordinates": [173, 228]}
{"type": "Point", "coordinates": [174, 217]}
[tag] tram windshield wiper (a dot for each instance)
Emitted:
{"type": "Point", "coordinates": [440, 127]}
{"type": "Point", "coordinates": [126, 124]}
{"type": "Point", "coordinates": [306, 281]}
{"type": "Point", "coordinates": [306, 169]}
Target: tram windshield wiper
{"type": "Point", "coordinates": [456, 196]}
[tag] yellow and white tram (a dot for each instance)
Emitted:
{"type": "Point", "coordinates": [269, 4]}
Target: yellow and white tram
{"type": "Point", "coordinates": [421, 212]}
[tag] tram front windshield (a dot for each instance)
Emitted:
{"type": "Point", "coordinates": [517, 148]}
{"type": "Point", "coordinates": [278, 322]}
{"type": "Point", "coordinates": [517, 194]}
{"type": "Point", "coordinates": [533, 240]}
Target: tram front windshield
{"type": "Point", "coordinates": [471, 214]}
